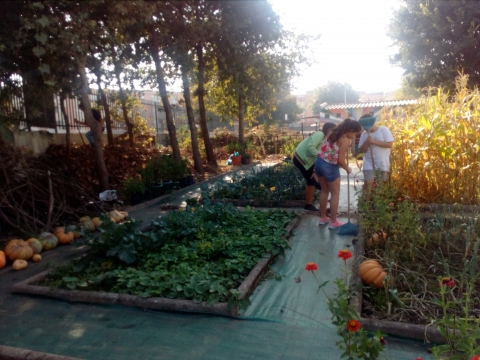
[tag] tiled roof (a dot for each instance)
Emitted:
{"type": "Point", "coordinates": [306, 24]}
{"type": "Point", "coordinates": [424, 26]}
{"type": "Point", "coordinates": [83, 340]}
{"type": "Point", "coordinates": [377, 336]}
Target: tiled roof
{"type": "Point", "coordinates": [370, 104]}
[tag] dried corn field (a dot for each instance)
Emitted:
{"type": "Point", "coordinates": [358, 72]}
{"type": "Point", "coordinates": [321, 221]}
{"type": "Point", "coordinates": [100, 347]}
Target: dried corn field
{"type": "Point", "coordinates": [435, 157]}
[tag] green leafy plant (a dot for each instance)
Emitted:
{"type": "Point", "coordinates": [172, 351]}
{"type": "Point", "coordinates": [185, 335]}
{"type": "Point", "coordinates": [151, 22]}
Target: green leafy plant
{"type": "Point", "coordinates": [202, 253]}
{"type": "Point", "coordinates": [234, 147]}
{"type": "Point", "coordinates": [356, 342]}
{"type": "Point", "coordinates": [269, 185]}
{"type": "Point", "coordinates": [133, 186]}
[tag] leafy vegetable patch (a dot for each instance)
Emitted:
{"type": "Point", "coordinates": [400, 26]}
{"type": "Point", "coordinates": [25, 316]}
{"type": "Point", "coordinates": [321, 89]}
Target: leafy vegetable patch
{"type": "Point", "coordinates": [201, 254]}
{"type": "Point", "coordinates": [272, 186]}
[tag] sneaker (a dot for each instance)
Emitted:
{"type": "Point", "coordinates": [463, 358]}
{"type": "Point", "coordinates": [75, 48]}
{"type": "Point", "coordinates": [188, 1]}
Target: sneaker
{"type": "Point", "coordinates": [323, 221]}
{"type": "Point", "coordinates": [335, 225]}
{"type": "Point", "coordinates": [310, 207]}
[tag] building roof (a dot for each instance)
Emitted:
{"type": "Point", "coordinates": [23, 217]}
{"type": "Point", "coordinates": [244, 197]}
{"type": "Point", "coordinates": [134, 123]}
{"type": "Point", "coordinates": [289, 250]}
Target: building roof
{"type": "Point", "coordinates": [370, 104]}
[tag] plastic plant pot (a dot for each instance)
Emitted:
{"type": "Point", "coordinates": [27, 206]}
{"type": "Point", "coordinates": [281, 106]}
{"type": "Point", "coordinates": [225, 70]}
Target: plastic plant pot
{"type": "Point", "coordinates": [236, 160]}
{"type": "Point", "coordinates": [157, 191]}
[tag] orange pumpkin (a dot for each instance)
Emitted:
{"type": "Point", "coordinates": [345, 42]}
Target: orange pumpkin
{"type": "Point", "coordinates": [97, 222]}
{"type": "Point", "coordinates": [63, 238]}
{"type": "Point", "coordinates": [3, 261]}
{"type": "Point", "coordinates": [19, 264]}
{"type": "Point", "coordinates": [36, 258]}
{"type": "Point", "coordinates": [372, 272]}
{"type": "Point", "coordinates": [18, 249]}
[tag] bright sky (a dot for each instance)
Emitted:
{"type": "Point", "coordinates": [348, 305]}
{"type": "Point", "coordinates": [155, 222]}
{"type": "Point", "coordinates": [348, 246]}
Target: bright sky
{"type": "Point", "coordinates": [354, 46]}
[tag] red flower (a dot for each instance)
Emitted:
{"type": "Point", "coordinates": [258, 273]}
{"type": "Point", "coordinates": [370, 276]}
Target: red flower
{"type": "Point", "coordinates": [353, 326]}
{"type": "Point", "coordinates": [344, 254]}
{"type": "Point", "coordinates": [447, 281]}
{"type": "Point", "coordinates": [475, 357]}
{"type": "Point", "coordinates": [418, 358]}
{"type": "Point", "coordinates": [311, 266]}
{"type": "Point", "coordinates": [383, 341]}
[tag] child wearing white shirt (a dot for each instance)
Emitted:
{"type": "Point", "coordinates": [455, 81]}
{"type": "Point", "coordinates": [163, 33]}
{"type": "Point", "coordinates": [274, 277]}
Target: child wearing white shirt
{"type": "Point", "coordinates": [381, 141]}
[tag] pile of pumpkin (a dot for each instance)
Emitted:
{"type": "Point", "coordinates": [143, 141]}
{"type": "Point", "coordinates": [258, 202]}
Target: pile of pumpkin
{"type": "Point", "coordinates": [19, 251]}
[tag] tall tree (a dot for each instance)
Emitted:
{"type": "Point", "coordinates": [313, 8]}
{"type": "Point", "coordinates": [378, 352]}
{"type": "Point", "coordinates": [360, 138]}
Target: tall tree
{"type": "Point", "coordinates": [253, 67]}
{"type": "Point", "coordinates": [333, 92]}
{"type": "Point", "coordinates": [287, 106]}
{"type": "Point", "coordinates": [182, 54]}
{"type": "Point", "coordinates": [205, 24]}
{"type": "Point", "coordinates": [69, 29]}
{"type": "Point", "coordinates": [437, 39]}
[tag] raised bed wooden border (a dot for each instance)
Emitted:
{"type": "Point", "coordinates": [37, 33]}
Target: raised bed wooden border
{"type": "Point", "coordinates": [156, 303]}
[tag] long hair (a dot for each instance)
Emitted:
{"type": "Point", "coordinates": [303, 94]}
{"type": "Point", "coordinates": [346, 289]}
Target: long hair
{"type": "Point", "coordinates": [346, 126]}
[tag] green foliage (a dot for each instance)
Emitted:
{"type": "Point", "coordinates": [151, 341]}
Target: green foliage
{"type": "Point", "coordinates": [448, 44]}
{"type": "Point", "coordinates": [286, 106]}
{"type": "Point", "coordinates": [461, 332]}
{"type": "Point", "coordinates": [333, 92]}
{"type": "Point", "coordinates": [201, 254]}
{"type": "Point", "coordinates": [164, 167]}
{"type": "Point", "coordinates": [289, 147]}
{"type": "Point", "coordinates": [234, 147]}
{"type": "Point", "coordinates": [361, 344]}
{"type": "Point", "coordinates": [356, 343]}
{"type": "Point", "coordinates": [270, 186]}
{"type": "Point", "coordinates": [133, 186]}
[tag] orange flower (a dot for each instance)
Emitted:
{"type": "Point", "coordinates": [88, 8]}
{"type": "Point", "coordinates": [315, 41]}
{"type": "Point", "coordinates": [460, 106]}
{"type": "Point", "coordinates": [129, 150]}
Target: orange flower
{"type": "Point", "coordinates": [353, 326]}
{"type": "Point", "coordinates": [311, 266]}
{"type": "Point", "coordinates": [344, 254]}
{"type": "Point", "coordinates": [448, 282]}
{"type": "Point", "coordinates": [418, 358]}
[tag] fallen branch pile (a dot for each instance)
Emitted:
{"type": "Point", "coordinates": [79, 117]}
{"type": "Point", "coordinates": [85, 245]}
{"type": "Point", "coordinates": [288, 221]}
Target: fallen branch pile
{"type": "Point", "coordinates": [34, 196]}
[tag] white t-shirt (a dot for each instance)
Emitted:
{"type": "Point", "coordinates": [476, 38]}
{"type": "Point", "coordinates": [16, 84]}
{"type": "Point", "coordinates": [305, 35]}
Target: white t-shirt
{"type": "Point", "coordinates": [381, 156]}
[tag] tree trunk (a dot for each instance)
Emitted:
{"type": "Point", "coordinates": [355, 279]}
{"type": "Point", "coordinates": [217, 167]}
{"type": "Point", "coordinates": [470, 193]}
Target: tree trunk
{"type": "Point", "coordinates": [241, 121]}
{"type": "Point", "coordinates": [106, 107]}
{"type": "Point", "coordinates": [94, 126]}
{"type": "Point", "coordinates": [201, 105]}
{"type": "Point", "coordinates": [123, 100]}
{"type": "Point", "coordinates": [162, 87]}
{"type": "Point", "coordinates": [197, 159]}
{"type": "Point", "coordinates": [67, 123]}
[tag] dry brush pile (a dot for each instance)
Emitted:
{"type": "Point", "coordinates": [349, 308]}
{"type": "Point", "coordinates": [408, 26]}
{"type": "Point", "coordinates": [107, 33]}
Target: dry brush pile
{"type": "Point", "coordinates": [34, 195]}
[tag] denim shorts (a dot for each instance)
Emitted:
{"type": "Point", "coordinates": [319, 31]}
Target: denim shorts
{"type": "Point", "coordinates": [330, 172]}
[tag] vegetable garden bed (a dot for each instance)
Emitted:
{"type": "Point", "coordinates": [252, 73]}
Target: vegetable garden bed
{"type": "Point", "coordinates": [278, 186]}
{"type": "Point", "coordinates": [430, 254]}
{"type": "Point", "coordinates": [206, 259]}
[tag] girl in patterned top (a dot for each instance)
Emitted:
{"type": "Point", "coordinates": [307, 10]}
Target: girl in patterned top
{"type": "Point", "coordinates": [331, 156]}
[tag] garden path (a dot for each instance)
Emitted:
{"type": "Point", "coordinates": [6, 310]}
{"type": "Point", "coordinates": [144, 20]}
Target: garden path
{"type": "Point", "coordinates": [116, 332]}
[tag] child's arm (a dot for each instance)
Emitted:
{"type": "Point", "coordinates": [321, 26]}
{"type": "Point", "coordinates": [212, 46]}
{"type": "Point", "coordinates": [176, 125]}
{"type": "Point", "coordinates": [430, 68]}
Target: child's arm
{"type": "Point", "coordinates": [342, 154]}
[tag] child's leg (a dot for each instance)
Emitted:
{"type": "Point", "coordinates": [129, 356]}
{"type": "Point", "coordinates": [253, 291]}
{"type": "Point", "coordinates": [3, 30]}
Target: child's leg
{"type": "Point", "coordinates": [368, 179]}
{"type": "Point", "coordinates": [334, 188]}
{"type": "Point", "coordinates": [324, 197]}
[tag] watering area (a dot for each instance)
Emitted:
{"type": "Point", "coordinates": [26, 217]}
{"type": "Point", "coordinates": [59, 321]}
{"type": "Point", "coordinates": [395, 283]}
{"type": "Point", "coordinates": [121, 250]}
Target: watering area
{"type": "Point", "coordinates": [287, 319]}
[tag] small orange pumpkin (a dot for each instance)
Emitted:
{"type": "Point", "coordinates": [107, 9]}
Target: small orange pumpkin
{"type": "Point", "coordinates": [3, 261]}
{"type": "Point", "coordinates": [63, 238]}
{"type": "Point", "coordinates": [19, 264]}
{"type": "Point", "coordinates": [97, 222]}
{"type": "Point", "coordinates": [36, 258]}
{"type": "Point", "coordinates": [372, 272]}
{"type": "Point", "coordinates": [18, 249]}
